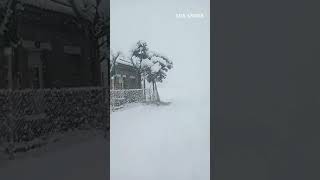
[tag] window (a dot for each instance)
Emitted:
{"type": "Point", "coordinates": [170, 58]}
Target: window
{"type": "Point", "coordinates": [74, 64]}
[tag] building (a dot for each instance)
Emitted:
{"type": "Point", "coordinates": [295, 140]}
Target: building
{"type": "Point", "coordinates": [53, 51]}
{"type": "Point", "coordinates": [126, 76]}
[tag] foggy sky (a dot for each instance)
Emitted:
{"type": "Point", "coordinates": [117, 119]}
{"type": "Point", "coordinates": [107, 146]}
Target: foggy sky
{"type": "Point", "coordinates": [185, 41]}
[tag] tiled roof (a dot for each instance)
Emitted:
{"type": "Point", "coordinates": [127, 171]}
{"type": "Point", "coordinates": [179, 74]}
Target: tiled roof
{"type": "Point", "coordinates": [51, 5]}
{"type": "Point", "coordinates": [124, 61]}
{"type": "Point", "coordinates": [62, 6]}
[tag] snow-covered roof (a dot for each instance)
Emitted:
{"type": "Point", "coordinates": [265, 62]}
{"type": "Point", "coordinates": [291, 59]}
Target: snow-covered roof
{"type": "Point", "coordinates": [56, 5]}
{"type": "Point", "coordinates": [124, 61]}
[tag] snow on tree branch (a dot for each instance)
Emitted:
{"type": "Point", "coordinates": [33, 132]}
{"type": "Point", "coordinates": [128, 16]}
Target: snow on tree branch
{"type": "Point", "coordinates": [157, 67]}
{"type": "Point", "coordinates": [8, 12]}
{"type": "Point", "coordinates": [150, 65]}
{"type": "Point", "coordinates": [114, 57]}
{"type": "Point", "coordinates": [6, 16]}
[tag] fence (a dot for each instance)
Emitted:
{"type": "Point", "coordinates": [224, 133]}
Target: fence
{"type": "Point", "coordinates": [123, 96]}
{"type": "Point", "coordinates": [31, 117]}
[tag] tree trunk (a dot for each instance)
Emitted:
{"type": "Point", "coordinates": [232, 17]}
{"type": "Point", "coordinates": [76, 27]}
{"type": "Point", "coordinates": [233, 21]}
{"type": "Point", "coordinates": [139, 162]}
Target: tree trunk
{"type": "Point", "coordinates": [144, 88]}
{"type": "Point", "coordinates": [157, 93]}
{"type": "Point", "coordinates": [10, 67]}
{"type": "Point", "coordinates": [96, 64]}
{"type": "Point", "coordinates": [114, 75]}
{"type": "Point", "coordinates": [153, 93]}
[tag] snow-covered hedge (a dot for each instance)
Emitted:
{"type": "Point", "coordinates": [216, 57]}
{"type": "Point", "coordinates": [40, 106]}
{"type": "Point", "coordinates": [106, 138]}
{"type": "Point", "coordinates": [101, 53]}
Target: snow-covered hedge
{"type": "Point", "coordinates": [26, 115]}
{"type": "Point", "coordinates": [123, 96]}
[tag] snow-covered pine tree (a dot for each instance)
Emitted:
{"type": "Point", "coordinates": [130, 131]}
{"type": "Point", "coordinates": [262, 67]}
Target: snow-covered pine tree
{"type": "Point", "coordinates": [139, 56]}
{"type": "Point", "coordinates": [156, 71]}
{"type": "Point", "coordinates": [93, 19]}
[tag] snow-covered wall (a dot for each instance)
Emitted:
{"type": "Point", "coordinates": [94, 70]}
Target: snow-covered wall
{"type": "Point", "coordinates": [29, 114]}
{"type": "Point", "coordinates": [123, 96]}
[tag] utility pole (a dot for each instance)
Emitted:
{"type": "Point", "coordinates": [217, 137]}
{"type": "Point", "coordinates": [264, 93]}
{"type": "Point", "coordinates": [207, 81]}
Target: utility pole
{"type": "Point", "coordinates": [9, 53]}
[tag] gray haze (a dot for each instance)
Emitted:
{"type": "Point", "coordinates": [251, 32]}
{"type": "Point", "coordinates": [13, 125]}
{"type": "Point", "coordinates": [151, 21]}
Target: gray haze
{"type": "Point", "coordinates": [184, 41]}
{"type": "Point", "coordinates": [165, 142]}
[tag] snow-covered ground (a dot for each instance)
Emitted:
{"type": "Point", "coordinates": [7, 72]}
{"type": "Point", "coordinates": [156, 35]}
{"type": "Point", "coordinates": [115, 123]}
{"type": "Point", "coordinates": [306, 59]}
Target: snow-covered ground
{"type": "Point", "coordinates": [77, 157]}
{"type": "Point", "coordinates": [148, 142]}
{"type": "Point", "coordinates": [171, 142]}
